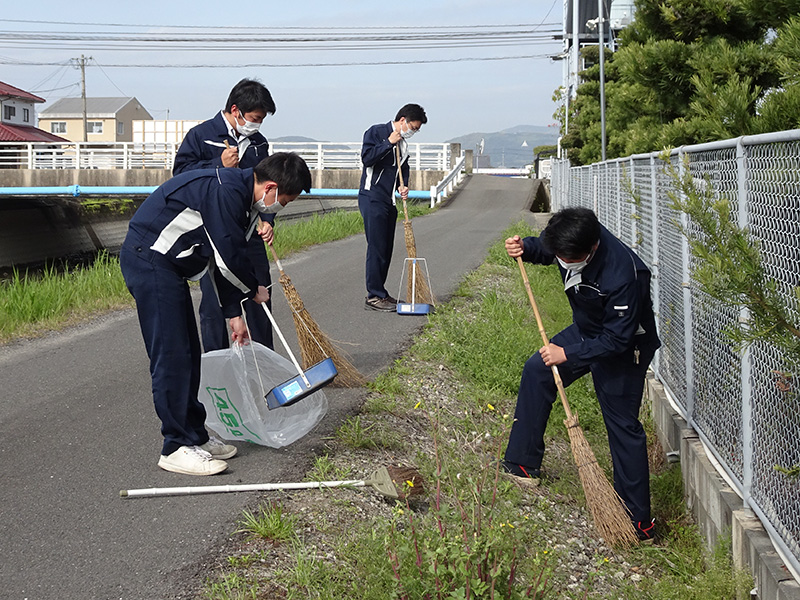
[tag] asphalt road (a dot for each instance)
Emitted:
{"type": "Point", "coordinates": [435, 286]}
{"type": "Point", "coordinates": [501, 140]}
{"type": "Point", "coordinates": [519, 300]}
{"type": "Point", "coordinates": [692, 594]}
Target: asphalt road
{"type": "Point", "coordinates": [77, 423]}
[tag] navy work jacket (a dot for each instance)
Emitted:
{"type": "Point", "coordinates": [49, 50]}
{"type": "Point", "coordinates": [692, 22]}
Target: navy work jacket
{"type": "Point", "coordinates": [379, 177]}
{"type": "Point", "coordinates": [199, 222]}
{"type": "Point", "coordinates": [611, 305]}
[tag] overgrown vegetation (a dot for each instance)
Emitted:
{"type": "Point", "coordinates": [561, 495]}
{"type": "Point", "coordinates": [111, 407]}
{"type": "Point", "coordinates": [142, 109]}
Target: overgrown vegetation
{"type": "Point", "coordinates": [689, 71]}
{"type": "Point", "coordinates": [475, 533]}
{"type": "Point", "coordinates": [50, 299]}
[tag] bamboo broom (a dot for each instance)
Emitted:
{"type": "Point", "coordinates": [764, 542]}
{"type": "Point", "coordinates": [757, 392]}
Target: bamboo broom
{"type": "Point", "coordinates": [611, 517]}
{"type": "Point", "coordinates": [314, 344]}
{"type": "Point", "coordinates": [420, 291]}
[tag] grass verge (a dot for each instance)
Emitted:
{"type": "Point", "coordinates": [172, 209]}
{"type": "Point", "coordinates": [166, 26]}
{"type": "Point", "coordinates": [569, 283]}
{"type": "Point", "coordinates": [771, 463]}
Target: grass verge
{"type": "Point", "coordinates": [472, 533]}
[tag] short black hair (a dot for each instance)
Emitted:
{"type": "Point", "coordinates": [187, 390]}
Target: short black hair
{"type": "Point", "coordinates": [412, 112]}
{"type": "Point", "coordinates": [249, 95]}
{"type": "Point", "coordinates": [571, 233]}
{"type": "Point", "coordinates": [287, 169]}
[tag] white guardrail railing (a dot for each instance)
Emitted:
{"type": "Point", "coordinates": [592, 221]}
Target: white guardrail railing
{"type": "Point", "coordinates": [160, 155]}
{"type": "Point", "coordinates": [445, 187]}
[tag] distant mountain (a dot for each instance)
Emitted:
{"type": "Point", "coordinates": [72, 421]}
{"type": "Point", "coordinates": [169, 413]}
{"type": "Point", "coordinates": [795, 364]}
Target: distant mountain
{"type": "Point", "coordinates": [512, 147]}
{"type": "Point", "coordinates": [504, 148]}
{"type": "Point", "coordinates": [293, 138]}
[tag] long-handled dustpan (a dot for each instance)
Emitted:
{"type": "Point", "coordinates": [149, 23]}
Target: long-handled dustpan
{"type": "Point", "coordinates": [307, 382]}
{"type": "Point", "coordinates": [395, 482]}
{"type": "Point", "coordinates": [414, 307]}
{"type": "Point", "coordinates": [418, 285]}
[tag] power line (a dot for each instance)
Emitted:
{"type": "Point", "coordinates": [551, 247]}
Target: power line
{"type": "Point", "coordinates": [63, 87]}
{"type": "Point", "coordinates": [286, 28]}
{"type": "Point", "coordinates": [294, 65]}
{"type": "Point", "coordinates": [99, 66]}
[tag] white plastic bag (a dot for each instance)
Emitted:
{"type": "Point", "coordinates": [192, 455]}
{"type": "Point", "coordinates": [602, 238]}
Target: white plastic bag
{"type": "Point", "coordinates": [231, 391]}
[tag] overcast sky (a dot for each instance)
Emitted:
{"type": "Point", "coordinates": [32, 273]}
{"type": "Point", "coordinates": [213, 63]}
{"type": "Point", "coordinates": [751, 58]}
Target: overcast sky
{"type": "Point", "coordinates": [322, 102]}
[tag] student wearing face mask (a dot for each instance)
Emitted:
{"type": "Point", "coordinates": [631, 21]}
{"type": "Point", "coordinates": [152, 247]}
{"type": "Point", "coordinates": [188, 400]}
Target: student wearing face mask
{"type": "Point", "coordinates": [197, 224]}
{"type": "Point", "coordinates": [232, 139]}
{"type": "Point", "coordinates": [379, 180]}
{"type": "Point", "coordinates": [613, 337]}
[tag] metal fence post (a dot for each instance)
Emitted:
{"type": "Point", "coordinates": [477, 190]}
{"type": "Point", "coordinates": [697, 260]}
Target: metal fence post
{"type": "Point", "coordinates": [619, 194]}
{"type": "Point", "coordinates": [744, 317]}
{"type": "Point", "coordinates": [687, 304]}
{"type": "Point", "coordinates": [655, 283]}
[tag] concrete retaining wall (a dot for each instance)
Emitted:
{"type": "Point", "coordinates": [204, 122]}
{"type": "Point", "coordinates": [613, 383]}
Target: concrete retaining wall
{"type": "Point", "coordinates": [717, 508]}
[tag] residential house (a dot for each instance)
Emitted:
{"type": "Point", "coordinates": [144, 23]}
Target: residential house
{"type": "Point", "coordinates": [18, 117]}
{"type": "Point", "coordinates": [107, 119]}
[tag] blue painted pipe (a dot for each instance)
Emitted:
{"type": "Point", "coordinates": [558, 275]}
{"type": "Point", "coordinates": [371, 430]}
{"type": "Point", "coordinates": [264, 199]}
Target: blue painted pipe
{"type": "Point", "coordinates": [77, 190]}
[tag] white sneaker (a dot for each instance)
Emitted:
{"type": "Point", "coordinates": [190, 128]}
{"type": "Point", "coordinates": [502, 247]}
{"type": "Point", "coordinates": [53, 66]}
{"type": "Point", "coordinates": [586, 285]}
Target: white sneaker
{"type": "Point", "coordinates": [192, 460]}
{"type": "Point", "coordinates": [219, 449]}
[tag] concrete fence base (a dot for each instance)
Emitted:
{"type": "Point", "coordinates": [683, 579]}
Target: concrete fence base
{"type": "Point", "coordinates": [717, 508]}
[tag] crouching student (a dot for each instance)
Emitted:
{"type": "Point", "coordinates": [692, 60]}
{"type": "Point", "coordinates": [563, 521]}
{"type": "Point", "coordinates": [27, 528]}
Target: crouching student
{"type": "Point", "coordinates": [198, 222]}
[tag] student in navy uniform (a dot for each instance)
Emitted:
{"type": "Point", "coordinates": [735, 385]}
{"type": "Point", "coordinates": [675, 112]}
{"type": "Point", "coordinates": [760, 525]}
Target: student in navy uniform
{"type": "Point", "coordinates": [205, 147]}
{"type": "Point", "coordinates": [197, 223]}
{"type": "Point", "coordinates": [376, 196]}
{"type": "Point", "coordinates": [613, 336]}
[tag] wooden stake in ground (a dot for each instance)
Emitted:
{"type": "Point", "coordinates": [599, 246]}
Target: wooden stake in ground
{"type": "Point", "coordinates": [421, 290]}
{"type": "Point", "coordinates": [611, 517]}
{"type": "Point", "coordinates": [314, 344]}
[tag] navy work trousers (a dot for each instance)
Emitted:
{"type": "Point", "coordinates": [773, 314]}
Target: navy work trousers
{"type": "Point", "coordinates": [380, 221]}
{"type": "Point", "coordinates": [169, 329]}
{"type": "Point", "coordinates": [619, 383]}
{"type": "Point", "coordinates": [213, 328]}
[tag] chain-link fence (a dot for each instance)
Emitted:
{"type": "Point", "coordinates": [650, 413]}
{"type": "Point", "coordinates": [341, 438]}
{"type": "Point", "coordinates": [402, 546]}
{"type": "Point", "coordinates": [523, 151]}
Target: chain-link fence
{"type": "Point", "coordinates": [744, 405]}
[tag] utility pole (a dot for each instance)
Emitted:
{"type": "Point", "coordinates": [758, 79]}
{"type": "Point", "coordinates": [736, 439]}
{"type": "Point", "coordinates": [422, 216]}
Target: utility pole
{"type": "Point", "coordinates": [602, 47]}
{"type": "Point", "coordinates": [82, 63]}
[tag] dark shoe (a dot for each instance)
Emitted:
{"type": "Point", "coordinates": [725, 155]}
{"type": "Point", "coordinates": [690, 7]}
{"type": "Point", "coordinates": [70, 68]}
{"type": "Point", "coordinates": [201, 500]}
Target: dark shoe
{"type": "Point", "coordinates": [523, 474]}
{"type": "Point", "coordinates": [645, 531]}
{"type": "Point", "coordinates": [387, 304]}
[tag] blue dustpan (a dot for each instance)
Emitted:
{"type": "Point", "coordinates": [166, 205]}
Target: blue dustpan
{"type": "Point", "coordinates": [297, 388]}
{"type": "Point", "coordinates": [306, 383]}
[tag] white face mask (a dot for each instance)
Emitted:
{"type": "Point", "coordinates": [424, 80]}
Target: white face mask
{"type": "Point", "coordinates": [408, 133]}
{"type": "Point", "coordinates": [248, 128]}
{"type": "Point", "coordinates": [272, 209]}
{"type": "Point", "coordinates": [576, 267]}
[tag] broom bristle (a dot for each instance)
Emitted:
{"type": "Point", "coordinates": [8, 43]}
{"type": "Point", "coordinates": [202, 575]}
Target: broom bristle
{"type": "Point", "coordinates": [407, 481]}
{"type": "Point", "coordinates": [611, 517]}
{"type": "Point", "coordinates": [315, 346]}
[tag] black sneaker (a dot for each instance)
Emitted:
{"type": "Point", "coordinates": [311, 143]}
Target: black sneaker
{"type": "Point", "coordinates": [383, 304]}
{"type": "Point", "coordinates": [525, 474]}
{"type": "Point", "coordinates": [645, 531]}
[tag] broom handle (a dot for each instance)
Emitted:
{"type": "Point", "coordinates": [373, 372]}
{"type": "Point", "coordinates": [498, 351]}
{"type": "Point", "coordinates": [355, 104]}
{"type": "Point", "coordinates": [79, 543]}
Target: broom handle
{"type": "Point", "coordinates": [277, 260]}
{"type": "Point", "coordinates": [277, 330]}
{"type": "Point", "coordinates": [559, 384]}
{"type": "Point", "coordinates": [222, 489]}
{"type": "Point", "coordinates": [402, 183]}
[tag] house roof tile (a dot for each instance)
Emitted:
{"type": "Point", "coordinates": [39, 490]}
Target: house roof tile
{"type": "Point", "coordinates": [15, 92]}
{"type": "Point", "coordinates": [26, 133]}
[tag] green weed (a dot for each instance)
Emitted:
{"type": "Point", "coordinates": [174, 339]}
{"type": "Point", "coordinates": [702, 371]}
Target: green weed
{"type": "Point", "coordinates": [33, 303]}
{"type": "Point", "coordinates": [270, 523]}
{"type": "Point", "coordinates": [231, 586]}
{"type": "Point", "coordinates": [325, 470]}
{"type": "Point", "coordinates": [357, 434]}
